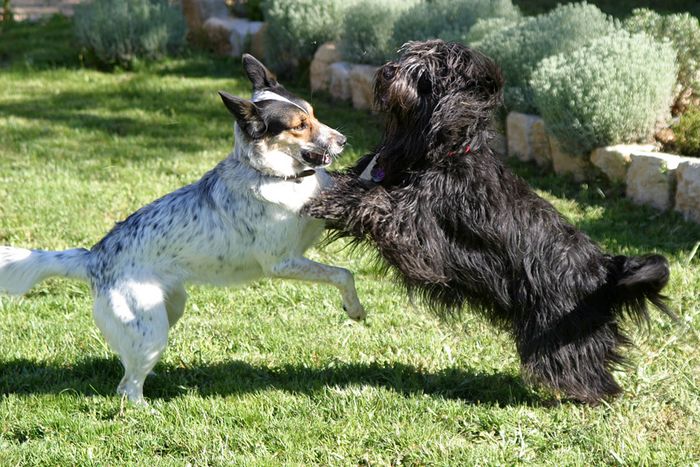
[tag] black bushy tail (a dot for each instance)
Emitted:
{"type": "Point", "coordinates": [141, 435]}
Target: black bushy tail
{"type": "Point", "coordinates": [641, 278]}
{"type": "Point", "coordinates": [576, 354]}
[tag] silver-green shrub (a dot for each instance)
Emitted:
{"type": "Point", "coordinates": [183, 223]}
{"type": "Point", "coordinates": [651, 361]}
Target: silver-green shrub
{"type": "Point", "coordinates": [520, 47]}
{"type": "Point", "coordinates": [484, 27]}
{"type": "Point", "coordinates": [613, 90]}
{"type": "Point", "coordinates": [296, 28]}
{"type": "Point", "coordinates": [447, 18]}
{"type": "Point", "coordinates": [683, 31]}
{"type": "Point", "coordinates": [367, 30]}
{"type": "Point", "coordinates": [118, 32]}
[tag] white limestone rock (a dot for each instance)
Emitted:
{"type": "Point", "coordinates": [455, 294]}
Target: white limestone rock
{"type": "Point", "coordinates": [688, 189]}
{"type": "Point", "coordinates": [527, 138]}
{"type": "Point", "coordinates": [319, 72]}
{"type": "Point", "coordinates": [651, 178]}
{"type": "Point", "coordinates": [613, 161]}
{"type": "Point", "coordinates": [362, 86]}
{"type": "Point", "coordinates": [569, 164]}
{"type": "Point", "coordinates": [339, 84]}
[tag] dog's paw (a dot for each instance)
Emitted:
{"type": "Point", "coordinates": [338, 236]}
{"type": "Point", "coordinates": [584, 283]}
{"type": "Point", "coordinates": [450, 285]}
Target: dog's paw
{"type": "Point", "coordinates": [356, 313]}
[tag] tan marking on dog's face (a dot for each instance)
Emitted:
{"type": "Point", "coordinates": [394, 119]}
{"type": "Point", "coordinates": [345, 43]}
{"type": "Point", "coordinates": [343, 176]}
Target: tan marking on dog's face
{"type": "Point", "coordinates": [293, 129]}
{"type": "Point", "coordinates": [300, 128]}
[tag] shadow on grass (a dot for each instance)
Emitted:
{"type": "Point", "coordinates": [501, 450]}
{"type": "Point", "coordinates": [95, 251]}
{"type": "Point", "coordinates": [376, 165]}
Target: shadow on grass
{"type": "Point", "coordinates": [101, 376]}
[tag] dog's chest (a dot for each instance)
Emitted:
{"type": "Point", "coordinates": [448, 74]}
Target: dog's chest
{"type": "Point", "coordinates": [292, 195]}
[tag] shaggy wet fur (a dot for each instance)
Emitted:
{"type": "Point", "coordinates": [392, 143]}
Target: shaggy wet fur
{"type": "Point", "coordinates": [460, 228]}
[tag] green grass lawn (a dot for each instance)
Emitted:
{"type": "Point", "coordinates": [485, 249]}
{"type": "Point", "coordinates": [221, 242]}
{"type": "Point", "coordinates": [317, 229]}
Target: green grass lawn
{"type": "Point", "coordinates": [274, 373]}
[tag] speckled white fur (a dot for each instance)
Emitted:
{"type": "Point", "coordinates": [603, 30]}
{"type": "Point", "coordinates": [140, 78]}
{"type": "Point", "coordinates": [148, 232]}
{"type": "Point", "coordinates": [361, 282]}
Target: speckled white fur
{"type": "Point", "coordinates": [238, 223]}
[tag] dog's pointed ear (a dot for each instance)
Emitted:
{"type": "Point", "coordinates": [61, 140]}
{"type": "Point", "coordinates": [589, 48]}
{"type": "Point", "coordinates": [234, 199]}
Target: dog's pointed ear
{"type": "Point", "coordinates": [260, 76]}
{"type": "Point", "coordinates": [246, 113]}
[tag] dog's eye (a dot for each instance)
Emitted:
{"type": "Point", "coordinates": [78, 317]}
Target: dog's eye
{"type": "Point", "coordinates": [388, 72]}
{"type": "Point", "coordinates": [301, 127]}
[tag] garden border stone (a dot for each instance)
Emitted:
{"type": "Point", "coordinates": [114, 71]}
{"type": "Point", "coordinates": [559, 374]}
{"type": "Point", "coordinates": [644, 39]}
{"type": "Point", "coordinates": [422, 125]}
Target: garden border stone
{"type": "Point", "coordinates": [528, 139]}
{"type": "Point", "coordinates": [613, 161]}
{"type": "Point", "coordinates": [362, 86]}
{"type": "Point", "coordinates": [688, 189]}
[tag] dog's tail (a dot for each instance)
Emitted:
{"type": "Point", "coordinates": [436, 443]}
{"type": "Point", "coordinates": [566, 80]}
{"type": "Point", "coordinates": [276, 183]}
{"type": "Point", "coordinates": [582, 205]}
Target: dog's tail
{"type": "Point", "coordinates": [21, 269]}
{"type": "Point", "coordinates": [640, 279]}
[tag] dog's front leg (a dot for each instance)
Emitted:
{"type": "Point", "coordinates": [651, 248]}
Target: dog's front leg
{"type": "Point", "coordinates": [311, 271]}
{"type": "Point", "coordinates": [352, 206]}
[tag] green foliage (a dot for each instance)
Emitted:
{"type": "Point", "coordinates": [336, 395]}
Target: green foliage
{"type": "Point", "coordinates": [251, 9]}
{"type": "Point", "coordinates": [483, 27]}
{"type": "Point", "coordinates": [519, 48]}
{"type": "Point", "coordinates": [617, 8]}
{"type": "Point", "coordinates": [367, 30]}
{"type": "Point", "coordinates": [47, 42]}
{"type": "Point", "coordinates": [683, 31]}
{"type": "Point", "coordinates": [447, 18]}
{"type": "Point", "coordinates": [296, 28]}
{"type": "Point", "coordinates": [687, 132]}
{"type": "Point", "coordinates": [118, 33]}
{"type": "Point", "coordinates": [605, 93]}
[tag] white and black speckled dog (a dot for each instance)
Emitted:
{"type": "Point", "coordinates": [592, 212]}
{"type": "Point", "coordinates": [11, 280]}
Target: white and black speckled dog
{"type": "Point", "coordinates": [239, 222]}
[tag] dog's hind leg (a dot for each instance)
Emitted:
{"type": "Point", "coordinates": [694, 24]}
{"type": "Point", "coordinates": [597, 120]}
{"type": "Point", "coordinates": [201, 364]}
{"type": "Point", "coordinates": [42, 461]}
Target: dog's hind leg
{"type": "Point", "coordinates": [175, 300]}
{"type": "Point", "coordinates": [306, 270]}
{"type": "Point", "coordinates": [134, 321]}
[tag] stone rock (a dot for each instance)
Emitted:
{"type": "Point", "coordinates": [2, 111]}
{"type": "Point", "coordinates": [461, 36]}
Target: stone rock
{"type": "Point", "coordinates": [500, 145]}
{"type": "Point", "coordinates": [319, 71]}
{"type": "Point", "coordinates": [651, 178]}
{"type": "Point", "coordinates": [527, 138]}
{"type": "Point", "coordinates": [231, 36]}
{"type": "Point", "coordinates": [362, 86]}
{"type": "Point", "coordinates": [242, 33]}
{"type": "Point", "coordinates": [217, 32]}
{"type": "Point", "coordinates": [197, 12]}
{"type": "Point", "coordinates": [688, 189]}
{"type": "Point", "coordinates": [569, 164]}
{"type": "Point", "coordinates": [257, 42]}
{"type": "Point", "coordinates": [339, 84]}
{"type": "Point", "coordinates": [614, 160]}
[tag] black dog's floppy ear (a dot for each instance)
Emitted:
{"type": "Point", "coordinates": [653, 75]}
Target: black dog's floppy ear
{"type": "Point", "coordinates": [425, 86]}
{"type": "Point", "coordinates": [246, 113]}
{"type": "Point", "coordinates": [260, 76]}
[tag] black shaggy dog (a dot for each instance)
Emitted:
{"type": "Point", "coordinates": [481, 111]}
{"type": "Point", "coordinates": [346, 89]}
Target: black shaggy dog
{"type": "Point", "coordinates": [459, 227]}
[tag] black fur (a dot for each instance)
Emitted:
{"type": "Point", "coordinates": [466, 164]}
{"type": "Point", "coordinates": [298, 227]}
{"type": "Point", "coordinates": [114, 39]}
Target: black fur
{"type": "Point", "coordinates": [460, 228]}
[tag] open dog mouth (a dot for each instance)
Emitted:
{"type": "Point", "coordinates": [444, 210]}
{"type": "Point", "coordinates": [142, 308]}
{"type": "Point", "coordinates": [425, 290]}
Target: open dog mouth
{"type": "Point", "coordinates": [316, 158]}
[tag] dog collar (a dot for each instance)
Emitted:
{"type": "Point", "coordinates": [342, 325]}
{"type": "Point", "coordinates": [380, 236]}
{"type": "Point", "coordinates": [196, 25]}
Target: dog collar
{"type": "Point", "coordinates": [273, 96]}
{"type": "Point", "coordinates": [372, 172]}
{"type": "Point", "coordinates": [296, 178]}
{"type": "Point", "coordinates": [467, 150]}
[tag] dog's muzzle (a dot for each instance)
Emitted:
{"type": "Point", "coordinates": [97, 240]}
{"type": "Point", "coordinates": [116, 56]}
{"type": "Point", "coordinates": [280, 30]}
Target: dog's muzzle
{"type": "Point", "coordinates": [316, 159]}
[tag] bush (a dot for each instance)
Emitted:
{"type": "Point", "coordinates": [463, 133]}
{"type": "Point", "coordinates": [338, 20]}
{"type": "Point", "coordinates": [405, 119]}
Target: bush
{"type": "Point", "coordinates": [447, 18]}
{"type": "Point", "coordinates": [296, 28]}
{"type": "Point", "coordinates": [520, 47]}
{"type": "Point", "coordinates": [683, 31]}
{"type": "Point", "coordinates": [608, 92]}
{"type": "Point", "coordinates": [687, 132]}
{"type": "Point", "coordinates": [251, 9]}
{"type": "Point", "coordinates": [117, 33]}
{"type": "Point", "coordinates": [367, 30]}
{"type": "Point", "coordinates": [483, 27]}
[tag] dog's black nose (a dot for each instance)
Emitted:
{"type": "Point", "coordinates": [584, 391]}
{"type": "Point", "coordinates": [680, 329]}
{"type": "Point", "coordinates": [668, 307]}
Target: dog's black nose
{"type": "Point", "coordinates": [341, 140]}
